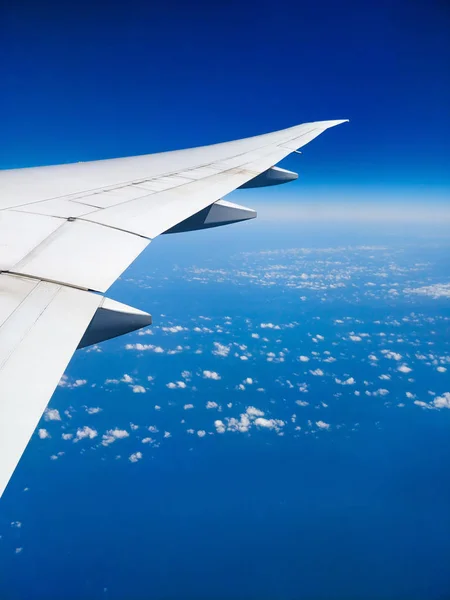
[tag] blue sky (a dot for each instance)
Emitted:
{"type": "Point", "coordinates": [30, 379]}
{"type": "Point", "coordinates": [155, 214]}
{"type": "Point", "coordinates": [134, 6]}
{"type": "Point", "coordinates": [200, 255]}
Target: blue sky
{"type": "Point", "coordinates": [94, 80]}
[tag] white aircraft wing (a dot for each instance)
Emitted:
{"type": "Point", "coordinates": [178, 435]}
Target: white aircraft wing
{"type": "Point", "coordinates": [67, 232]}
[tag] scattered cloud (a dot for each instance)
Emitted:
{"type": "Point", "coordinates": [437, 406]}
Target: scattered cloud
{"type": "Point", "coordinates": [52, 414]}
{"type": "Point", "coordinates": [302, 402]}
{"type": "Point", "coordinates": [220, 426]}
{"type": "Point", "coordinates": [211, 375]}
{"type": "Point", "coordinates": [65, 382]}
{"type": "Point", "coordinates": [269, 423]}
{"type": "Point", "coordinates": [442, 401]}
{"type": "Point", "coordinates": [269, 326]}
{"type": "Point", "coordinates": [135, 457]}
{"type": "Point", "coordinates": [438, 290]}
{"type": "Point", "coordinates": [349, 381]}
{"type": "Point", "coordinates": [317, 373]}
{"type": "Point", "coordinates": [114, 434]}
{"type": "Point", "coordinates": [254, 412]}
{"type": "Point", "coordinates": [221, 349]}
{"type": "Point", "coordinates": [85, 432]}
{"type": "Point", "coordinates": [145, 348]}
{"type": "Point", "coordinates": [138, 389]}
{"type": "Point", "coordinates": [173, 385]}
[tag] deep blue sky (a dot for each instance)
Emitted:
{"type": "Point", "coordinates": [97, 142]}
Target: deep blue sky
{"type": "Point", "coordinates": [83, 81]}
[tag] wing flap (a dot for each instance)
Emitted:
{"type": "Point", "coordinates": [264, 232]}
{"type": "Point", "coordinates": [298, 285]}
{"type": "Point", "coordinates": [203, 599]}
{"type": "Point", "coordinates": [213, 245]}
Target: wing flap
{"type": "Point", "coordinates": [42, 326]}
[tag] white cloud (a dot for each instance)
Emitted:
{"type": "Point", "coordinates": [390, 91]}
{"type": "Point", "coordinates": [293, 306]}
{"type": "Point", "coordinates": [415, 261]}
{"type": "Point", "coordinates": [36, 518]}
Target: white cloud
{"type": "Point", "coordinates": [188, 406]}
{"type": "Point", "coordinates": [303, 359]}
{"type": "Point", "coordinates": [52, 414]}
{"type": "Point", "coordinates": [201, 433]}
{"type": "Point", "coordinates": [404, 369]}
{"type": "Point", "coordinates": [349, 381]}
{"type": "Point", "coordinates": [441, 369]}
{"type": "Point", "coordinates": [422, 404]}
{"type": "Point", "coordinates": [438, 290]}
{"type": "Point", "coordinates": [221, 349]}
{"type": "Point", "coordinates": [219, 425]}
{"type": "Point", "coordinates": [144, 347]}
{"type": "Point", "coordinates": [135, 457]}
{"type": "Point", "coordinates": [322, 425]}
{"type": "Point", "coordinates": [380, 392]}
{"type": "Point", "coordinates": [211, 404]}
{"type": "Point", "coordinates": [269, 326]}
{"type": "Point", "coordinates": [269, 423]}
{"type": "Point", "coordinates": [255, 336]}
{"type": "Point", "coordinates": [127, 378]}
{"type": "Point", "coordinates": [114, 434]}
{"type": "Point", "coordinates": [355, 338]}
{"type": "Point", "coordinates": [93, 410]}
{"type": "Point", "coordinates": [16, 524]}
{"type": "Point", "coordinates": [67, 436]}
{"type": "Point", "coordinates": [145, 332]}
{"type": "Point", "coordinates": [391, 355]}
{"type": "Point", "coordinates": [317, 372]}
{"type": "Point", "coordinates": [147, 440]}
{"type": "Point", "coordinates": [167, 434]}
{"type": "Point", "coordinates": [173, 385]}
{"type": "Point", "coordinates": [242, 425]}
{"type": "Point", "coordinates": [67, 383]}
{"type": "Point", "coordinates": [254, 412]}
{"type": "Point", "coordinates": [85, 432]}
{"type": "Point", "coordinates": [138, 389]}
{"type": "Point", "coordinates": [43, 434]}
{"type": "Point", "coordinates": [174, 329]}
{"type": "Point", "coordinates": [442, 401]}
{"type": "Point", "coordinates": [211, 375]}
{"type": "Point", "coordinates": [302, 402]}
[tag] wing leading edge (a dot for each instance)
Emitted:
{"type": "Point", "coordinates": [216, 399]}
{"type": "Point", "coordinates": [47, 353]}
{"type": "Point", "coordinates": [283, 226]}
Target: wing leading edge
{"type": "Point", "coordinates": [71, 230]}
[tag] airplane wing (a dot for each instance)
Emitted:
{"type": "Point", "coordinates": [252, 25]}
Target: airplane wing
{"type": "Point", "coordinates": [67, 232]}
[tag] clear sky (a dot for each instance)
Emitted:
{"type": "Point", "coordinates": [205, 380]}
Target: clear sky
{"type": "Point", "coordinates": [88, 80]}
